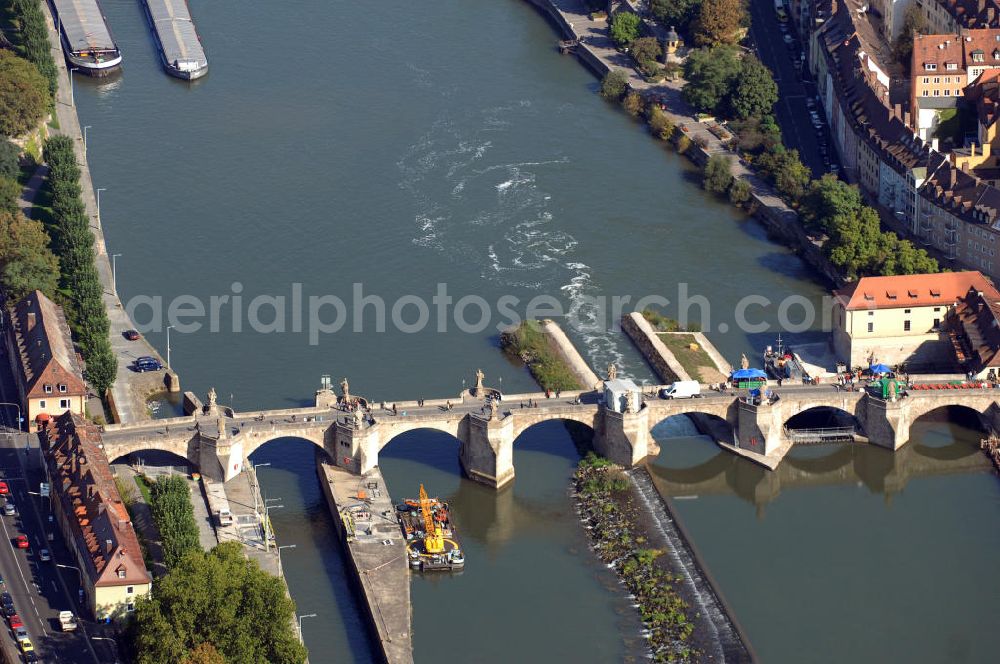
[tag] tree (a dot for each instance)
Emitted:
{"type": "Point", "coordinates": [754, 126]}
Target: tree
{"type": "Point", "coordinates": [718, 173]}
{"type": "Point", "coordinates": [10, 194]}
{"type": "Point", "coordinates": [205, 653]}
{"type": "Point", "coordinates": [10, 154]}
{"type": "Point", "coordinates": [660, 124]}
{"type": "Point", "coordinates": [755, 91]}
{"type": "Point", "coordinates": [677, 13]}
{"type": "Point", "coordinates": [792, 177]}
{"type": "Point", "coordinates": [218, 598]}
{"type": "Point", "coordinates": [624, 28]}
{"type": "Point", "coordinates": [827, 198]}
{"type": "Point", "coordinates": [913, 21]}
{"type": "Point", "coordinates": [645, 51]}
{"type": "Point", "coordinates": [24, 95]}
{"type": "Point", "coordinates": [739, 192]}
{"type": "Point", "coordinates": [171, 506]}
{"type": "Point", "coordinates": [633, 104]}
{"type": "Point", "coordinates": [26, 263]}
{"type": "Point", "coordinates": [720, 22]}
{"type": "Point", "coordinates": [614, 85]}
{"type": "Point", "coordinates": [710, 74]}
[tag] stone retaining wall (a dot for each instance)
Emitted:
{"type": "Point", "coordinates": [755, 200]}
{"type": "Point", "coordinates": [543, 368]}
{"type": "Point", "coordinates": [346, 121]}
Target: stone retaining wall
{"type": "Point", "coordinates": [569, 355]}
{"type": "Point", "coordinates": [652, 348]}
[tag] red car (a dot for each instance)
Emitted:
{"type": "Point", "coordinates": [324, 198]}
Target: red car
{"type": "Point", "coordinates": [131, 335]}
{"type": "Point", "coordinates": [22, 541]}
{"type": "Point", "coordinates": [4, 489]}
{"type": "Point", "coordinates": [15, 621]}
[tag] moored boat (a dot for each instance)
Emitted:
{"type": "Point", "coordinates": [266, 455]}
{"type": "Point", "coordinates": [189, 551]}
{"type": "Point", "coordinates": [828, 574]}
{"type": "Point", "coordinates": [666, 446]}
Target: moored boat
{"type": "Point", "coordinates": [177, 41]}
{"type": "Point", "coordinates": [431, 542]}
{"type": "Point", "coordinates": [86, 39]}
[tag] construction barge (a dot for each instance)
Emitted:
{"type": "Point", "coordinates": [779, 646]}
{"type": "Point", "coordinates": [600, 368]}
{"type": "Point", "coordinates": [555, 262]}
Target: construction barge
{"type": "Point", "coordinates": [86, 39]}
{"type": "Point", "coordinates": [177, 40]}
{"type": "Point", "coordinates": [431, 543]}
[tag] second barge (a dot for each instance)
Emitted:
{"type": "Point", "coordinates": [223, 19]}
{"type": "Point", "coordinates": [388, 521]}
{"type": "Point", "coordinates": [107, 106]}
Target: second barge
{"type": "Point", "coordinates": [86, 38]}
{"type": "Point", "coordinates": [178, 42]}
{"type": "Point", "coordinates": [431, 543]}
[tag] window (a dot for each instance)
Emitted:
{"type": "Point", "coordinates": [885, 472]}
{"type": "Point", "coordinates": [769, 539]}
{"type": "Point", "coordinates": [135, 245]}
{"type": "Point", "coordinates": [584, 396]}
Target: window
{"type": "Point", "coordinates": [871, 313]}
{"type": "Point", "coordinates": [978, 56]}
{"type": "Point", "coordinates": [947, 92]}
{"type": "Point", "coordinates": [925, 93]}
{"type": "Point", "coordinates": [926, 80]}
{"type": "Point", "coordinates": [130, 607]}
{"type": "Point", "coordinates": [951, 66]}
{"type": "Point", "coordinates": [41, 404]}
{"type": "Point", "coordinates": [937, 93]}
{"type": "Point", "coordinates": [121, 574]}
{"type": "Point", "coordinates": [64, 403]}
{"type": "Point", "coordinates": [937, 79]}
{"type": "Point", "coordinates": [48, 389]}
{"type": "Point", "coordinates": [937, 323]}
{"type": "Point", "coordinates": [871, 327]}
{"type": "Point", "coordinates": [937, 309]}
{"type": "Point", "coordinates": [906, 326]}
{"type": "Point", "coordinates": [130, 589]}
{"type": "Point", "coordinates": [947, 79]}
{"type": "Point", "coordinates": [930, 66]}
{"type": "Point", "coordinates": [906, 311]}
{"type": "Point", "coordinates": [62, 388]}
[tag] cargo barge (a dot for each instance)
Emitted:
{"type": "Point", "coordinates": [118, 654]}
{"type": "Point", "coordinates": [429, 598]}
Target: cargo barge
{"type": "Point", "coordinates": [86, 39]}
{"type": "Point", "coordinates": [431, 543]}
{"type": "Point", "coordinates": [177, 40]}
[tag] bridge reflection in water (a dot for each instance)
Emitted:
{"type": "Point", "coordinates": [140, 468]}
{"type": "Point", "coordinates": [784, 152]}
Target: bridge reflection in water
{"type": "Point", "coordinates": [880, 470]}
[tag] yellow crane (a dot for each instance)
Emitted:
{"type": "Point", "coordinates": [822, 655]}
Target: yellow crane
{"type": "Point", "coordinates": [433, 536]}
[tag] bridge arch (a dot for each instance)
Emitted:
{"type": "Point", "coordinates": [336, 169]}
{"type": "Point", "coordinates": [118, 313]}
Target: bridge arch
{"type": "Point", "coordinates": [679, 425]}
{"type": "Point", "coordinates": [395, 429]}
{"type": "Point", "coordinates": [580, 430]}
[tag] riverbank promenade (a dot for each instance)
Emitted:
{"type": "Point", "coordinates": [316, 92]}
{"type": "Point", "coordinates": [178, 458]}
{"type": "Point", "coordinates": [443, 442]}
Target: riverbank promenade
{"type": "Point", "coordinates": [127, 398]}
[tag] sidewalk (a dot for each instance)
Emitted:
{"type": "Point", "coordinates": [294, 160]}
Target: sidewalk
{"type": "Point", "coordinates": [130, 390]}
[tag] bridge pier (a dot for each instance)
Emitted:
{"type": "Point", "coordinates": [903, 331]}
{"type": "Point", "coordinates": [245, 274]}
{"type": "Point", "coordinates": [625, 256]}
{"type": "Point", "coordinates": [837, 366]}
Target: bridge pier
{"type": "Point", "coordinates": [624, 438]}
{"type": "Point", "coordinates": [760, 428]}
{"type": "Point", "coordinates": [887, 423]}
{"type": "Point", "coordinates": [487, 452]}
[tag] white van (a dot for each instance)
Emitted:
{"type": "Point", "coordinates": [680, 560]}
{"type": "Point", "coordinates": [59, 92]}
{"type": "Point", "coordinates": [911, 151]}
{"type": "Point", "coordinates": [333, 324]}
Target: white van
{"type": "Point", "coordinates": [682, 389]}
{"type": "Point", "coordinates": [225, 517]}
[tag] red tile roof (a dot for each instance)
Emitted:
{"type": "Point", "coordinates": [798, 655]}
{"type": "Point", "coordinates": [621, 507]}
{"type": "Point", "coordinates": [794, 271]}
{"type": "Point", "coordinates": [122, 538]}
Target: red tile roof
{"type": "Point", "coordinates": [41, 338]}
{"type": "Point", "coordinates": [913, 290]}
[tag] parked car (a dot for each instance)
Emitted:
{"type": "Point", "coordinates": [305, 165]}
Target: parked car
{"type": "Point", "coordinates": [15, 621]}
{"type": "Point", "coordinates": [788, 40]}
{"type": "Point", "coordinates": [4, 489]}
{"type": "Point", "coordinates": [146, 363]}
{"type": "Point", "coordinates": [131, 335]}
{"type": "Point", "coordinates": [7, 603]}
{"type": "Point", "coordinates": [44, 555]}
{"type": "Point", "coordinates": [9, 509]}
{"type": "Point", "coordinates": [25, 644]}
{"type": "Point", "coordinates": [21, 541]}
{"type": "Point", "coordinates": [682, 389]}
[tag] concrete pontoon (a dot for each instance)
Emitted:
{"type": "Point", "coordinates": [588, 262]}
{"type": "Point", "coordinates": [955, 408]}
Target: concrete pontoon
{"type": "Point", "coordinates": [86, 39]}
{"type": "Point", "coordinates": [176, 38]}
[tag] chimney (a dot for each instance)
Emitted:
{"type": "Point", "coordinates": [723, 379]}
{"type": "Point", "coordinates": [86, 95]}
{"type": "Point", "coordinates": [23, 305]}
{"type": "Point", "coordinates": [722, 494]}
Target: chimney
{"type": "Point", "coordinates": [952, 177]}
{"type": "Point", "coordinates": [31, 320]}
{"type": "Point", "coordinates": [108, 545]}
{"type": "Point", "coordinates": [906, 118]}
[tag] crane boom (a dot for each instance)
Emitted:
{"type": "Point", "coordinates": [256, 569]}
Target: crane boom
{"type": "Point", "coordinates": [425, 511]}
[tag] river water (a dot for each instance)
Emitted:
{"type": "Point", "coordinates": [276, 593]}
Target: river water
{"type": "Point", "coordinates": [393, 148]}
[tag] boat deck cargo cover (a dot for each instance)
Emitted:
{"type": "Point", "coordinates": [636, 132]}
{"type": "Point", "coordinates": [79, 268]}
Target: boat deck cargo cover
{"type": "Point", "coordinates": [83, 25]}
{"type": "Point", "coordinates": [178, 38]}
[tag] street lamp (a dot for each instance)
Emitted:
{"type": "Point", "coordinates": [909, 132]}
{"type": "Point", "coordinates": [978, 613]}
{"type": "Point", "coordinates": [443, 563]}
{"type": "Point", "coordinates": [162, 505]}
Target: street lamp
{"type": "Point", "coordinates": [114, 272]}
{"type": "Point", "coordinates": [169, 327]}
{"type": "Point", "coordinates": [85, 136]}
{"type": "Point", "coordinates": [256, 488]}
{"type": "Point", "coordinates": [307, 615]}
{"type": "Point", "coordinates": [283, 546]}
{"type": "Point", "coordinates": [113, 642]}
{"type": "Point", "coordinates": [72, 97]}
{"type": "Point", "coordinates": [99, 190]}
{"type": "Point", "coordinates": [267, 521]}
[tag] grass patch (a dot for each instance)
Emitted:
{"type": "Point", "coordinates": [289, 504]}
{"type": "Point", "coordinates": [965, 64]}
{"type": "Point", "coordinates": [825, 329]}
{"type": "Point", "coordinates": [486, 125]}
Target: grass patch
{"type": "Point", "coordinates": [144, 488]}
{"type": "Point", "coordinates": [953, 125]}
{"type": "Point", "coordinates": [531, 345]}
{"type": "Point", "coordinates": [691, 360]}
{"type": "Point", "coordinates": [663, 323]}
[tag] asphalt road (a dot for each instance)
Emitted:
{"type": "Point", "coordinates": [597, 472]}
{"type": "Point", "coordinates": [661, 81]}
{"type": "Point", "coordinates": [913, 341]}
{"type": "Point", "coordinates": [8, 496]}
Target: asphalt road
{"type": "Point", "coordinates": [39, 589]}
{"type": "Point", "coordinates": [791, 110]}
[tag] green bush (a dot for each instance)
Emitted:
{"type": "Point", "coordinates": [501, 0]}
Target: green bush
{"type": "Point", "coordinates": [34, 40]}
{"type": "Point", "coordinates": [529, 343]}
{"type": "Point", "coordinates": [718, 175]}
{"type": "Point", "coordinates": [10, 166]}
{"type": "Point", "coordinates": [24, 95]}
{"type": "Point", "coordinates": [614, 85]}
{"type": "Point", "coordinates": [624, 28]}
{"type": "Point", "coordinates": [739, 192]}
{"type": "Point", "coordinates": [660, 124]}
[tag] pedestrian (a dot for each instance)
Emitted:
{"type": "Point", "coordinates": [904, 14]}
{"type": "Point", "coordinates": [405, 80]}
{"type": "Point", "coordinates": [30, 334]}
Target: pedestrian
{"type": "Point", "coordinates": [558, 392]}
{"type": "Point", "coordinates": [779, 381]}
{"type": "Point", "coordinates": [394, 411]}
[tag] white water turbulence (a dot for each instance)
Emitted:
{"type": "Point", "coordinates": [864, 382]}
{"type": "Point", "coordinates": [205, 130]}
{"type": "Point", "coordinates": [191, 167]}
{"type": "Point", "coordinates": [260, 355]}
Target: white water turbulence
{"type": "Point", "coordinates": [485, 208]}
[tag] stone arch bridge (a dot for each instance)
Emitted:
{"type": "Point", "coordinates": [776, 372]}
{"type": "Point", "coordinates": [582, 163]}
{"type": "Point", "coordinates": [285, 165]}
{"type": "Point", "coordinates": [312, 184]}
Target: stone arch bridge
{"type": "Point", "coordinates": [217, 440]}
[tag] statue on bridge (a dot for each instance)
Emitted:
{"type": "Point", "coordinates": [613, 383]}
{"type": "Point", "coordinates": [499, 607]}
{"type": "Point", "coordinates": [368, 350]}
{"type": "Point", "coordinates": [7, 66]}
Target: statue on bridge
{"type": "Point", "coordinates": [358, 418]}
{"type": "Point", "coordinates": [631, 402]}
{"type": "Point", "coordinates": [491, 407]}
{"type": "Point", "coordinates": [480, 390]}
{"type": "Point", "coordinates": [345, 387]}
{"type": "Point", "coordinates": [612, 371]}
{"type": "Point", "coordinates": [744, 362]}
{"type": "Point", "coordinates": [212, 405]}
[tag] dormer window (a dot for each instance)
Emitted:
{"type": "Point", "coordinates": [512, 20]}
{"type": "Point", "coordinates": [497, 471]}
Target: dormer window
{"type": "Point", "coordinates": [996, 54]}
{"type": "Point", "coordinates": [48, 389]}
{"type": "Point", "coordinates": [121, 574]}
{"type": "Point", "coordinates": [951, 66]}
{"type": "Point", "coordinates": [977, 56]}
{"type": "Point", "coordinates": [62, 388]}
{"type": "Point", "coordinates": [930, 66]}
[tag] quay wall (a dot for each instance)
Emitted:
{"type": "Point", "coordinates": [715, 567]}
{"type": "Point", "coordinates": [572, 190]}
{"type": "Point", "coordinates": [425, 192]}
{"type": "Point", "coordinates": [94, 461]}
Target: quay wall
{"type": "Point", "coordinates": [380, 572]}
{"type": "Point", "coordinates": [653, 349]}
